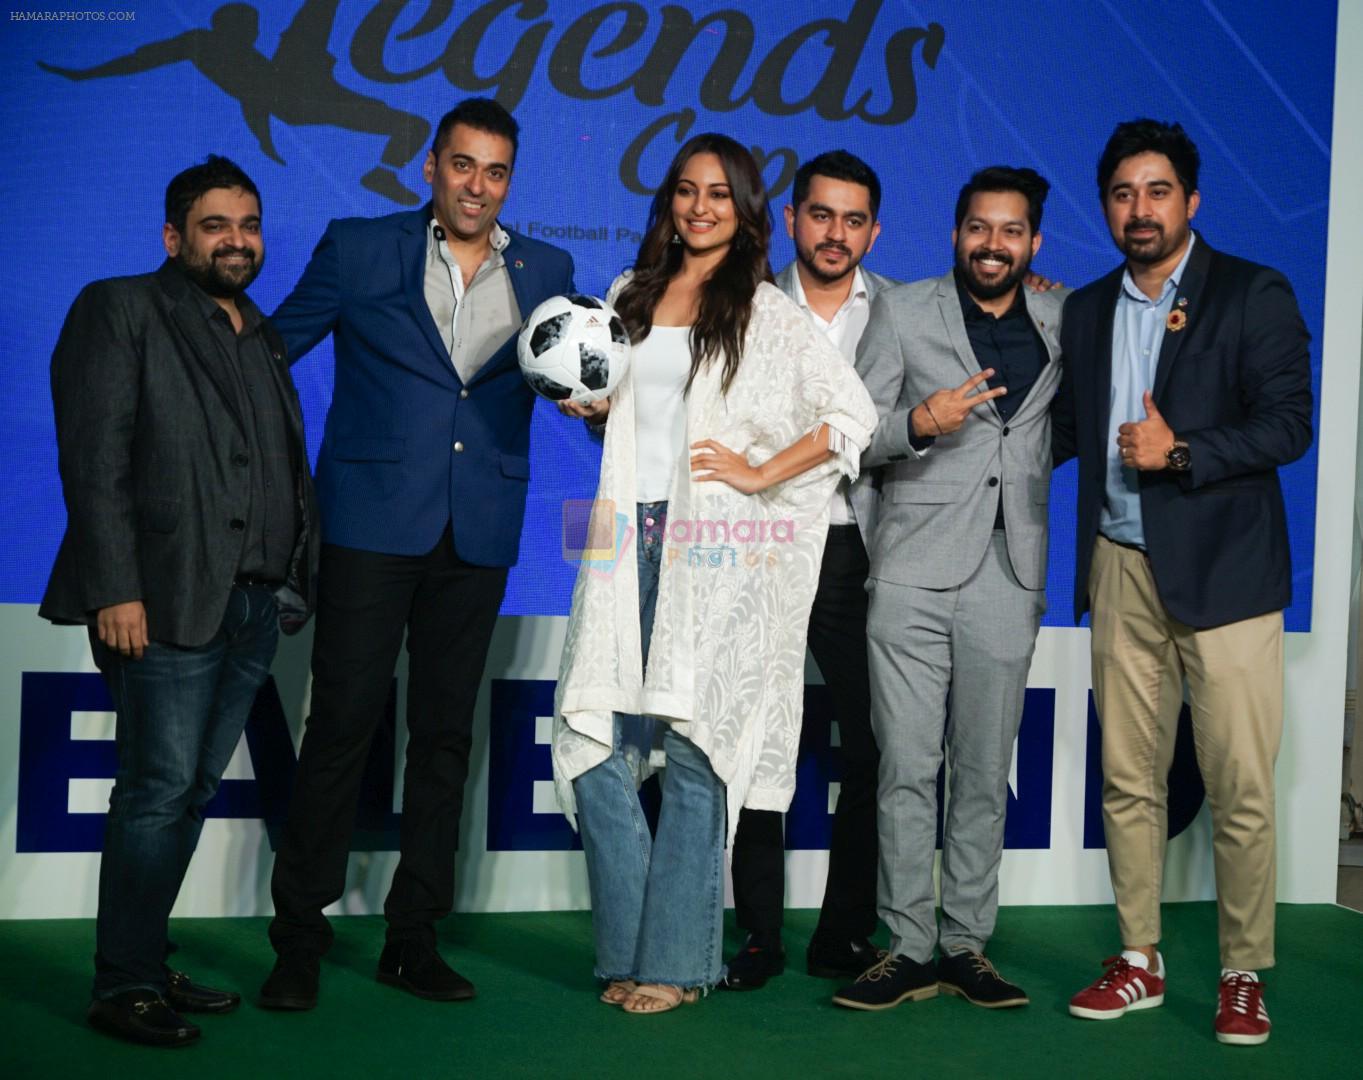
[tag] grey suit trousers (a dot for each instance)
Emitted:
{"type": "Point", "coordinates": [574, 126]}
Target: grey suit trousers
{"type": "Point", "coordinates": [971, 646]}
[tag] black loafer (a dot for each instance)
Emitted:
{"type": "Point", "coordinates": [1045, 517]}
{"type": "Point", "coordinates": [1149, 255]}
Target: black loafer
{"type": "Point", "coordinates": [884, 985]}
{"type": "Point", "coordinates": [844, 959]}
{"type": "Point", "coordinates": [755, 963]}
{"type": "Point", "coordinates": [141, 1016]}
{"type": "Point", "coordinates": [185, 995]}
{"type": "Point", "coordinates": [419, 970]}
{"type": "Point", "coordinates": [969, 975]}
{"type": "Point", "coordinates": [292, 985]}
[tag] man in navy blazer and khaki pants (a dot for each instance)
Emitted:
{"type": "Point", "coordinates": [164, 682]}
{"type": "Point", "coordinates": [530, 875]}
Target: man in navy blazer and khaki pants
{"type": "Point", "coordinates": [422, 481]}
{"type": "Point", "coordinates": [1187, 383]}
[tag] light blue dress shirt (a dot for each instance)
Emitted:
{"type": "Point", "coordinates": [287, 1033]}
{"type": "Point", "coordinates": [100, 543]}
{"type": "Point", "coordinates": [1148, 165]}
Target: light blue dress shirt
{"type": "Point", "coordinates": [1137, 335]}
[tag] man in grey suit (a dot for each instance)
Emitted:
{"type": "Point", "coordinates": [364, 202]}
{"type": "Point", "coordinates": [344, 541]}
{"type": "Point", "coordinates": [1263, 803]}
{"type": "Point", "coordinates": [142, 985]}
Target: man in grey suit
{"type": "Point", "coordinates": [958, 573]}
{"type": "Point", "coordinates": [834, 220]}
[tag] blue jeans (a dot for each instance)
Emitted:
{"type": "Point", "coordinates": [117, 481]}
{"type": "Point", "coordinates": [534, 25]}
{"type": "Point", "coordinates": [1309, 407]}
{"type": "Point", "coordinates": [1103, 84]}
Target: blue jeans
{"type": "Point", "coordinates": [180, 714]}
{"type": "Point", "coordinates": [657, 902]}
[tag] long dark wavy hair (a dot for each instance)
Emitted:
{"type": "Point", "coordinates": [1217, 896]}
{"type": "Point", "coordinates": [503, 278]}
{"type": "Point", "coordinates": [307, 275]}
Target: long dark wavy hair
{"type": "Point", "coordinates": [726, 297]}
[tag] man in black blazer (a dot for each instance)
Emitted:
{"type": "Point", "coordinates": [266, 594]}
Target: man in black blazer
{"type": "Point", "coordinates": [1187, 383]}
{"type": "Point", "coordinates": [190, 539]}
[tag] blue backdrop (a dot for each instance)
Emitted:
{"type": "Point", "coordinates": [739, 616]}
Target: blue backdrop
{"type": "Point", "coordinates": [313, 96]}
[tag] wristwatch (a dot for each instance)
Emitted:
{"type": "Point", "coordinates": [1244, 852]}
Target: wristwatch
{"type": "Point", "coordinates": [1178, 457]}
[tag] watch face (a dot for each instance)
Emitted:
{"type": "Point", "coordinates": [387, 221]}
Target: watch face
{"type": "Point", "coordinates": [1178, 457]}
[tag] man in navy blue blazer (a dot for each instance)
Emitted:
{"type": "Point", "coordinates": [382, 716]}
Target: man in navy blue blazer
{"type": "Point", "coordinates": [422, 480]}
{"type": "Point", "coordinates": [1187, 384]}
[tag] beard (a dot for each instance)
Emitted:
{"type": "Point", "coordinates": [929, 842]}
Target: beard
{"type": "Point", "coordinates": [1150, 251]}
{"type": "Point", "coordinates": [808, 257]}
{"type": "Point", "coordinates": [213, 274]}
{"type": "Point", "coordinates": [990, 290]}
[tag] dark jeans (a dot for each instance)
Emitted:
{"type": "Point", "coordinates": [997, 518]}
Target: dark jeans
{"type": "Point", "coordinates": [366, 602]}
{"type": "Point", "coordinates": [837, 639]}
{"type": "Point", "coordinates": [180, 714]}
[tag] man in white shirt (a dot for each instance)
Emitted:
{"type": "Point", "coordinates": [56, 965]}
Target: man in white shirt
{"type": "Point", "coordinates": [834, 220]}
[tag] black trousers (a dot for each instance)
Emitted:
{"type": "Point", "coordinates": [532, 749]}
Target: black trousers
{"type": "Point", "coordinates": [837, 639]}
{"type": "Point", "coordinates": [366, 601]}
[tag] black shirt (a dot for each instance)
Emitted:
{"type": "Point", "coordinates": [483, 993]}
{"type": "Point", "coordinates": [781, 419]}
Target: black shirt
{"type": "Point", "coordinates": [272, 516]}
{"type": "Point", "coordinates": [1010, 345]}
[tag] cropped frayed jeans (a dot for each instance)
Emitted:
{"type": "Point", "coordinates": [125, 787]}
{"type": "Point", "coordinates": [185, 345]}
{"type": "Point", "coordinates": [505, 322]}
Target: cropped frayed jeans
{"type": "Point", "coordinates": [657, 902]}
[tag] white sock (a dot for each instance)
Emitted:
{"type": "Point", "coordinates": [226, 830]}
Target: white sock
{"type": "Point", "coordinates": [1252, 976]}
{"type": "Point", "coordinates": [1139, 960]}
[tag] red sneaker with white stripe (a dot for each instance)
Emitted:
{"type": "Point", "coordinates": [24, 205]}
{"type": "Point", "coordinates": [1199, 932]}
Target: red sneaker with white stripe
{"type": "Point", "coordinates": [1122, 988]}
{"type": "Point", "coordinates": [1241, 1018]}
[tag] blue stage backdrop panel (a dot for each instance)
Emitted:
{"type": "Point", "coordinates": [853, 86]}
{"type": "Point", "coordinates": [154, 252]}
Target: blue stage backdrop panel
{"type": "Point", "coordinates": [328, 104]}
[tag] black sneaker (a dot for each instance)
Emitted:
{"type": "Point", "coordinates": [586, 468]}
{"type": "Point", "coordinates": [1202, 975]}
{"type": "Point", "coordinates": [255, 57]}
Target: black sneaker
{"type": "Point", "coordinates": [419, 970]}
{"type": "Point", "coordinates": [841, 959]}
{"type": "Point", "coordinates": [886, 984]}
{"type": "Point", "coordinates": [759, 960]}
{"type": "Point", "coordinates": [292, 985]}
{"type": "Point", "coordinates": [969, 975]}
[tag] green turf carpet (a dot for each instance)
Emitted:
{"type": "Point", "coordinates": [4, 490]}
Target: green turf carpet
{"type": "Point", "coordinates": [537, 1014]}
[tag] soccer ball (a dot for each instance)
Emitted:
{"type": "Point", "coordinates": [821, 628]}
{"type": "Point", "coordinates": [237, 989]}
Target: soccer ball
{"type": "Point", "coordinates": [573, 348]}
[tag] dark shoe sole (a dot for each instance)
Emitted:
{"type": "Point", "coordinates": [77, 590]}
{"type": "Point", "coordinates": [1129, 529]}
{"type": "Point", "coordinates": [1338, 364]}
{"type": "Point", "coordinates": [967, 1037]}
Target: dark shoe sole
{"type": "Point", "coordinates": [169, 1041]}
{"type": "Point", "coordinates": [1006, 1003]}
{"type": "Point", "coordinates": [286, 1003]}
{"type": "Point", "coordinates": [823, 971]}
{"type": "Point", "coordinates": [745, 984]}
{"type": "Point", "coordinates": [217, 1009]}
{"type": "Point", "coordinates": [923, 993]}
{"type": "Point", "coordinates": [398, 982]}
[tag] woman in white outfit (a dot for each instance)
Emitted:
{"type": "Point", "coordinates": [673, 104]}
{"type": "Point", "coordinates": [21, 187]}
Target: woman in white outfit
{"type": "Point", "coordinates": [724, 444]}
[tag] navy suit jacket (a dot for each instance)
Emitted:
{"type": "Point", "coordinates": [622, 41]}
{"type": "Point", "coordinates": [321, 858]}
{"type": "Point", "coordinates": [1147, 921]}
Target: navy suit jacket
{"type": "Point", "coordinates": [389, 476]}
{"type": "Point", "coordinates": [1235, 384]}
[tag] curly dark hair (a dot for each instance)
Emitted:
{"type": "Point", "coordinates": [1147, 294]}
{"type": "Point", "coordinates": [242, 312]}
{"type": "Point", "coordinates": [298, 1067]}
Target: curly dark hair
{"type": "Point", "coordinates": [1150, 137]}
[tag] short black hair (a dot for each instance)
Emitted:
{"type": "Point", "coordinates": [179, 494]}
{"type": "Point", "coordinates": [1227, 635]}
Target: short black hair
{"type": "Point", "coordinates": [196, 181]}
{"type": "Point", "coordinates": [1026, 182]}
{"type": "Point", "coordinates": [1146, 136]}
{"type": "Point", "coordinates": [837, 165]}
{"type": "Point", "coordinates": [481, 114]}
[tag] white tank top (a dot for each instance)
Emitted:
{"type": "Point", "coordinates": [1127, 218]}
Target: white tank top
{"type": "Point", "coordinates": [661, 363]}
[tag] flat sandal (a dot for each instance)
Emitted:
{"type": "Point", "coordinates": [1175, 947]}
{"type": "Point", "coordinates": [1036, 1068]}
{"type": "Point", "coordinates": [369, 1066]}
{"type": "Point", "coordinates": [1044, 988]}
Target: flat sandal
{"type": "Point", "coordinates": [617, 990]}
{"type": "Point", "coordinates": [673, 996]}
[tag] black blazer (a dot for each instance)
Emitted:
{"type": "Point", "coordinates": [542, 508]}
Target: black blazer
{"type": "Point", "coordinates": [1235, 384]}
{"type": "Point", "coordinates": [150, 449]}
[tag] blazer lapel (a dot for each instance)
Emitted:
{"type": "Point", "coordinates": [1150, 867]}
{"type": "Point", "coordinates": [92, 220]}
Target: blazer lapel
{"type": "Point", "coordinates": [1102, 374]}
{"type": "Point", "coordinates": [411, 241]}
{"type": "Point", "coordinates": [949, 303]}
{"type": "Point", "coordinates": [1189, 289]}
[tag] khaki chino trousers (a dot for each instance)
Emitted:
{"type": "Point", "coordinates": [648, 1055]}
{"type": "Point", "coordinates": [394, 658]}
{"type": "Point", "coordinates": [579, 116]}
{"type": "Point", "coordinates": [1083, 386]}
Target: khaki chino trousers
{"type": "Point", "coordinates": [1234, 673]}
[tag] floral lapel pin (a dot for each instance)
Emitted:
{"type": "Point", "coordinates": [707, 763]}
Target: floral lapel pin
{"type": "Point", "coordinates": [518, 265]}
{"type": "Point", "coordinates": [1178, 317]}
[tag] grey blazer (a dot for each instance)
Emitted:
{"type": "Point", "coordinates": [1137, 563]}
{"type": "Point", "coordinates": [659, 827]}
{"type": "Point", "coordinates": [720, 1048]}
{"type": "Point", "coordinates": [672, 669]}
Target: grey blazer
{"type": "Point", "coordinates": [937, 508]}
{"type": "Point", "coordinates": [865, 492]}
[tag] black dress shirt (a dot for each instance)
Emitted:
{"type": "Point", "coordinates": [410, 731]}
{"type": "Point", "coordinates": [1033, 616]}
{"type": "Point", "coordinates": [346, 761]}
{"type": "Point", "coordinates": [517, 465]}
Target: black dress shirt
{"type": "Point", "coordinates": [1009, 344]}
{"type": "Point", "coordinates": [272, 517]}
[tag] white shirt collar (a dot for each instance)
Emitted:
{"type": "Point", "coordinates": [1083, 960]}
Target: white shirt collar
{"type": "Point", "coordinates": [858, 292]}
{"type": "Point", "coordinates": [498, 237]}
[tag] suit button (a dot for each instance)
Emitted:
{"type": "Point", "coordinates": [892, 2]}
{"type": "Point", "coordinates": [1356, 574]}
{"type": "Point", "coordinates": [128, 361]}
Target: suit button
{"type": "Point", "coordinates": [993, 481]}
{"type": "Point", "coordinates": [237, 524]}
{"type": "Point", "coordinates": [240, 459]}
{"type": "Point", "coordinates": [463, 394]}
{"type": "Point", "coordinates": [458, 448]}
{"type": "Point", "coordinates": [1005, 431]}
